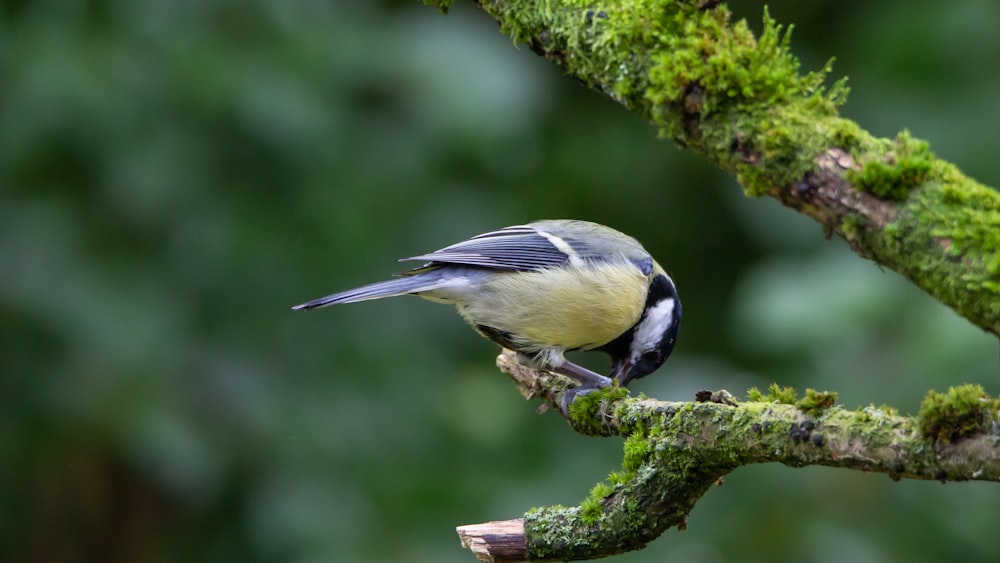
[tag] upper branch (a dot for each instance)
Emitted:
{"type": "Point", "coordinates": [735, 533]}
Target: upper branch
{"type": "Point", "coordinates": [710, 85]}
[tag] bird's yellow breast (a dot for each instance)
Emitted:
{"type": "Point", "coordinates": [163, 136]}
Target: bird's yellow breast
{"type": "Point", "coordinates": [572, 307]}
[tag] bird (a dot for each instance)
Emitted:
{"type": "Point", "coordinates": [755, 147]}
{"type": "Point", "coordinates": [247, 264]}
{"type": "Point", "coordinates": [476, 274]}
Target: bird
{"type": "Point", "coordinates": [546, 288]}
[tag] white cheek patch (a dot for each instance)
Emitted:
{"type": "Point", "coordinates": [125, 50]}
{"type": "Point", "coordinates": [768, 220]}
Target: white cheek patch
{"type": "Point", "coordinates": [652, 326]}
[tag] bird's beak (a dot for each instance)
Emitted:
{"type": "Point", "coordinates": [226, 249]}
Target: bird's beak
{"type": "Point", "coordinates": [621, 373]}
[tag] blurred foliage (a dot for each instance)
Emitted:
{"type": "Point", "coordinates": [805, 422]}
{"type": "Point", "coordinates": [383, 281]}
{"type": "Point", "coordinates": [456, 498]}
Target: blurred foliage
{"type": "Point", "coordinates": [175, 175]}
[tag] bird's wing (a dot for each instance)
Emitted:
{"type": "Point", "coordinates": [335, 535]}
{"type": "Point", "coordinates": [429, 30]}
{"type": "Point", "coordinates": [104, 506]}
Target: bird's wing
{"type": "Point", "coordinates": [520, 247]}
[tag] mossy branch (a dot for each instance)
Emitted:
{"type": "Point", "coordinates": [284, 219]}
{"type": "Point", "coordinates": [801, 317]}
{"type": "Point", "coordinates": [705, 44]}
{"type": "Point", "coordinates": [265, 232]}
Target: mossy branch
{"type": "Point", "coordinates": [675, 451]}
{"type": "Point", "coordinates": [710, 85]}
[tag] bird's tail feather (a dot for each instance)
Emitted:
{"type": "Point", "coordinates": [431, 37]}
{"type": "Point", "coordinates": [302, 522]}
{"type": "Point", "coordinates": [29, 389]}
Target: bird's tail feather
{"type": "Point", "coordinates": [377, 290]}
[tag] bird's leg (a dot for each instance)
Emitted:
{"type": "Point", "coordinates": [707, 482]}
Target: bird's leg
{"type": "Point", "coordinates": [587, 378]}
{"type": "Point", "coordinates": [589, 381]}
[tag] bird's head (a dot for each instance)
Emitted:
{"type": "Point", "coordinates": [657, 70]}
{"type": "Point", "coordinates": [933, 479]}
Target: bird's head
{"type": "Point", "coordinates": [648, 344]}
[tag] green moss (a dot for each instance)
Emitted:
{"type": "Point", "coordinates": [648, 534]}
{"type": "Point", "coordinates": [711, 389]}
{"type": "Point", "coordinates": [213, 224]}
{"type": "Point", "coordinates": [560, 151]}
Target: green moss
{"type": "Point", "coordinates": [637, 452]}
{"type": "Point", "coordinates": [592, 508]}
{"type": "Point", "coordinates": [618, 478]}
{"type": "Point", "coordinates": [632, 510]}
{"type": "Point", "coordinates": [959, 412]}
{"type": "Point", "coordinates": [852, 226]}
{"type": "Point", "coordinates": [591, 511]}
{"type": "Point", "coordinates": [814, 403]}
{"type": "Point", "coordinates": [601, 491]}
{"type": "Point", "coordinates": [904, 167]}
{"type": "Point", "coordinates": [745, 96]}
{"type": "Point", "coordinates": [947, 239]}
{"type": "Point", "coordinates": [775, 394]}
{"type": "Point", "coordinates": [584, 411]}
{"type": "Point", "coordinates": [848, 135]}
{"type": "Point", "coordinates": [974, 230]}
{"type": "Point", "coordinates": [702, 49]}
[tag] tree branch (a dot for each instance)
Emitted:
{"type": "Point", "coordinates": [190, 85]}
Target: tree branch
{"type": "Point", "coordinates": [711, 86]}
{"type": "Point", "coordinates": [675, 451]}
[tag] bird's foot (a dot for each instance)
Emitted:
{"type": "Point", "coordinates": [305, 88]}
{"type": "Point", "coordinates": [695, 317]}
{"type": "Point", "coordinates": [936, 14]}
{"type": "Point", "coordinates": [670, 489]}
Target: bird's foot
{"type": "Point", "coordinates": [589, 381]}
{"type": "Point", "coordinates": [570, 395]}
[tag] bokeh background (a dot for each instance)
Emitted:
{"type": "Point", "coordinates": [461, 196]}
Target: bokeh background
{"type": "Point", "coordinates": [175, 175]}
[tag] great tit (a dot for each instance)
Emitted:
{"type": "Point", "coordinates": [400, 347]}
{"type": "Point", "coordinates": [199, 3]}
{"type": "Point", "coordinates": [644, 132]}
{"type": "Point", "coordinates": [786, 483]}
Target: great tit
{"type": "Point", "coordinates": [547, 288]}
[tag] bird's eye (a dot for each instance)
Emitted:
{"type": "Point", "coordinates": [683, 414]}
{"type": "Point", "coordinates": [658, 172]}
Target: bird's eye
{"type": "Point", "coordinates": [645, 265]}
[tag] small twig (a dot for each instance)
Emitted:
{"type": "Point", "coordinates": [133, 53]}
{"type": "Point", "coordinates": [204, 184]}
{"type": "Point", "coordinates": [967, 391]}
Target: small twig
{"type": "Point", "coordinates": [501, 540]}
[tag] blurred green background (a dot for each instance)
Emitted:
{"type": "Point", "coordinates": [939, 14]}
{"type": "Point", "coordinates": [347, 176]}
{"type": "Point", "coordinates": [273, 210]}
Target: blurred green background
{"type": "Point", "coordinates": [175, 175]}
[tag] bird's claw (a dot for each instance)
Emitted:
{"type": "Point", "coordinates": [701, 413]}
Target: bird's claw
{"type": "Point", "coordinates": [570, 395]}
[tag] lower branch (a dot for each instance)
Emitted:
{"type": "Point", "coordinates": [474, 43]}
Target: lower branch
{"type": "Point", "coordinates": [675, 451]}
